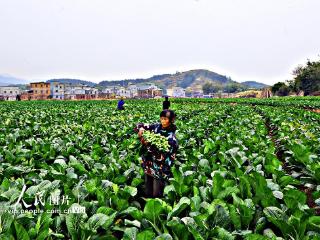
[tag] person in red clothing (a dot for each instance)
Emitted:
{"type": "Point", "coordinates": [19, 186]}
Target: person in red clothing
{"type": "Point", "coordinates": [157, 164]}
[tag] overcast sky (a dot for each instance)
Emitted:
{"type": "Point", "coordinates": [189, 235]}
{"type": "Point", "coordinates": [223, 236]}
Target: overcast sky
{"type": "Point", "coordinates": [262, 40]}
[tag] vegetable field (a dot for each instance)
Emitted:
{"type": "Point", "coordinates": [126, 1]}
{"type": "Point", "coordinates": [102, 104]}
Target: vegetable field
{"type": "Point", "coordinates": [245, 169]}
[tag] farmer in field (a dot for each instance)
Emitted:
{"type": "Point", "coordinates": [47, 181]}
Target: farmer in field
{"type": "Point", "coordinates": [157, 163]}
{"type": "Point", "coordinates": [166, 103]}
{"type": "Point", "coordinates": [120, 104]}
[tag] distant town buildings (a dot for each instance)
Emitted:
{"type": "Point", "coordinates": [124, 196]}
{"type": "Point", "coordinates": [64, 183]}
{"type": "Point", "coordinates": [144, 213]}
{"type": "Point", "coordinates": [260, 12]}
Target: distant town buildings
{"type": "Point", "coordinates": [40, 91]}
{"type": "Point", "coordinates": [177, 92]}
{"type": "Point", "coordinates": [26, 95]}
{"type": "Point", "coordinates": [56, 90]}
{"type": "Point", "coordinates": [9, 93]}
{"type": "Point", "coordinates": [74, 91]}
{"type": "Point", "coordinates": [133, 90]}
{"type": "Point", "coordinates": [149, 91]}
{"type": "Point", "coordinates": [123, 92]}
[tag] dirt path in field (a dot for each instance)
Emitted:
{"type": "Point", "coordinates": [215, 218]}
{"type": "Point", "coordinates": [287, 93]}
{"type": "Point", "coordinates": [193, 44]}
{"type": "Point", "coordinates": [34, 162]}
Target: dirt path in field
{"type": "Point", "coordinates": [312, 109]}
{"type": "Point", "coordinates": [280, 153]}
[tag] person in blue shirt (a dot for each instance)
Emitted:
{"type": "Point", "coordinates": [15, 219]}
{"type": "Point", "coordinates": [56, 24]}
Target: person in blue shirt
{"type": "Point", "coordinates": [121, 104]}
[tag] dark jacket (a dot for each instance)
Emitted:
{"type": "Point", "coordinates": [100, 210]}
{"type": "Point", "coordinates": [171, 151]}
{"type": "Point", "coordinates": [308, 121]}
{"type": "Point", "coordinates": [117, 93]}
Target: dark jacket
{"type": "Point", "coordinates": [154, 162]}
{"type": "Point", "coordinates": [165, 105]}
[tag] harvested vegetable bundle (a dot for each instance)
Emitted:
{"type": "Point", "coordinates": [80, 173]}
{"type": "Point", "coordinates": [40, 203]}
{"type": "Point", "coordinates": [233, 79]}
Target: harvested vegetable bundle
{"type": "Point", "coordinates": [157, 140]}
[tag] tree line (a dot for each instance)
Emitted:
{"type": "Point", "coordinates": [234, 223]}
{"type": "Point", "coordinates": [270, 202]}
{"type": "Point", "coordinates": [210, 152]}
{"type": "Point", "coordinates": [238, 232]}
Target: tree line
{"type": "Point", "coordinates": [306, 79]}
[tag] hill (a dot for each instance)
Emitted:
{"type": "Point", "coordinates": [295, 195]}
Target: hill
{"type": "Point", "coordinates": [186, 79]}
{"type": "Point", "coordinates": [6, 80]}
{"type": "Point", "coordinates": [254, 84]}
{"type": "Point", "coordinates": [73, 81]}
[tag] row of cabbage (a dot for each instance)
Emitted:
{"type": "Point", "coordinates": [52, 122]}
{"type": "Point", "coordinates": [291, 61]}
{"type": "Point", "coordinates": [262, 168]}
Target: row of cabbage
{"type": "Point", "coordinates": [298, 134]}
{"type": "Point", "coordinates": [245, 167]}
{"type": "Point", "coordinates": [299, 102]}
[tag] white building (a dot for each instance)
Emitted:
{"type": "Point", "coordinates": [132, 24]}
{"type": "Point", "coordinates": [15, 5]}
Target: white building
{"type": "Point", "coordinates": [149, 91]}
{"type": "Point", "coordinates": [57, 90]}
{"type": "Point", "coordinates": [127, 92]}
{"type": "Point", "coordinates": [123, 92]}
{"type": "Point", "coordinates": [80, 92]}
{"type": "Point", "coordinates": [72, 90]}
{"type": "Point", "coordinates": [111, 89]}
{"type": "Point", "coordinates": [176, 92]}
{"type": "Point", "coordinates": [133, 90]}
{"type": "Point", "coordinates": [9, 93]}
{"type": "Point", "coordinates": [93, 92]}
{"type": "Point", "coordinates": [107, 91]}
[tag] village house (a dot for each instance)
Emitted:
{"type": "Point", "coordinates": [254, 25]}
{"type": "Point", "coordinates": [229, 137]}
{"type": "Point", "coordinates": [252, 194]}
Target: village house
{"type": "Point", "coordinates": [80, 92]}
{"type": "Point", "coordinates": [91, 93]}
{"type": "Point", "coordinates": [177, 92]}
{"type": "Point", "coordinates": [123, 92]}
{"type": "Point", "coordinates": [149, 91]}
{"type": "Point", "coordinates": [72, 90]}
{"type": "Point", "coordinates": [57, 90]}
{"type": "Point", "coordinates": [194, 92]}
{"type": "Point", "coordinates": [197, 94]}
{"type": "Point", "coordinates": [9, 93]}
{"type": "Point", "coordinates": [26, 95]}
{"type": "Point", "coordinates": [109, 92]}
{"type": "Point", "coordinates": [133, 90]}
{"type": "Point", "coordinates": [40, 90]}
{"type": "Point", "coordinates": [224, 95]}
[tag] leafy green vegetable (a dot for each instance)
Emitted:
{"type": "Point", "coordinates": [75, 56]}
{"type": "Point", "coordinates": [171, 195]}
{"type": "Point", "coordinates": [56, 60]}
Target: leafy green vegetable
{"type": "Point", "coordinates": [157, 140]}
